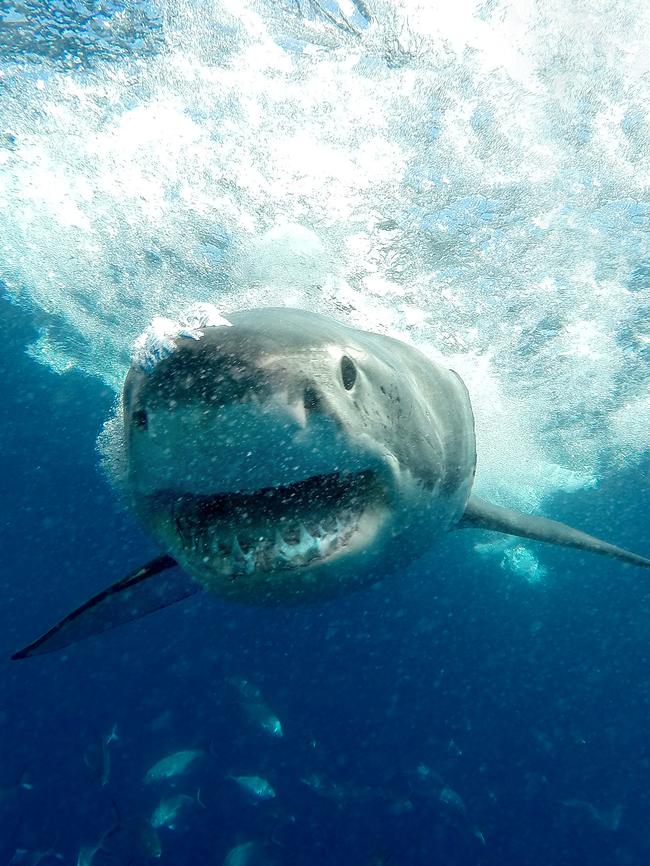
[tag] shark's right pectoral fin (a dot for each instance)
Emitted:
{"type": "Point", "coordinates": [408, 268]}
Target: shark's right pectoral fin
{"type": "Point", "coordinates": [149, 588]}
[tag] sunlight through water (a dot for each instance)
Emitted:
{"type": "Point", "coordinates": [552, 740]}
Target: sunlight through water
{"type": "Point", "coordinates": [476, 184]}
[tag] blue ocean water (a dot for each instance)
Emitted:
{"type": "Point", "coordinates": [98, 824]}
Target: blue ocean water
{"type": "Point", "coordinates": [530, 702]}
{"type": "Point", "coordinates": [455, 713]}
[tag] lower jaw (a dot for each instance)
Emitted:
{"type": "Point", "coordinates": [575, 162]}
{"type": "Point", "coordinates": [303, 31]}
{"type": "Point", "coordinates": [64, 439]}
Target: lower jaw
{"type": "Point", "coordinates": [306, 542]}
{"type": "Point", "coordinates": [319, 581]}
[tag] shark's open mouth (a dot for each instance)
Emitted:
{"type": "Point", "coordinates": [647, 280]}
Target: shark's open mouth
{"type": "Point", "coordinates": [279, 528]}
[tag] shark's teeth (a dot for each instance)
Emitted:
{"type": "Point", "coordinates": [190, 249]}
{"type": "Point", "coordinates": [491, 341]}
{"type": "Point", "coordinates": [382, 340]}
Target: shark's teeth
{"type": "Point", "coordinates": [264, 554]}
{"type": "Point", "coordinates": [236, 536]}
{"type": "Point", "coordinates": [307, 542]}
{"type": "Point", "coordinates": [241, 562]}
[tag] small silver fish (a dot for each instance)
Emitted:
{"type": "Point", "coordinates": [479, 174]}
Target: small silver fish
{"type": "Point", "coordinates": [145, 837]}
{"type": "Point", "coordinates": [98, 759]}
{"type": "Point", "coordinates": [324, 787]}
{"type": "Point", "coordinates": [8, 792]}
{"type": "Point", "coordinates": [168, 810]}
{"type": "Point", "coordinates": [248, 854]}
{"type": "Point", "coordinates": [449, 797]}
{"type": "Point", "coordinates": [608, 818]}
{"type": "Point", "coordinates": [172, 765]}
{"type": "Point", "coordinates": [25, 857]}
{"type": "Point", "coordinates": [255, 786]}
{"type": "Point", "coordinates": [458, 810]}
{"type": "Point", "coordinates": [87, 853]}
{"type": "Point", "coordinates": [246, 688]}
{"type": "Point", "coordinates": [259, 714]}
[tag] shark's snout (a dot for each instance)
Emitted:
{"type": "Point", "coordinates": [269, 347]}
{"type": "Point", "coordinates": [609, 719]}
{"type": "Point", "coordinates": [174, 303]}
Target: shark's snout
{"type": "Point", "coordinates": [217, 417]}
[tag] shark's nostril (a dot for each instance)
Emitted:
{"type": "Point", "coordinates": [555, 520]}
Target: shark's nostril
{"type": "Point", "coordinates": [311, 399]}
{"type": "Point", "coordinates": [140, 419]}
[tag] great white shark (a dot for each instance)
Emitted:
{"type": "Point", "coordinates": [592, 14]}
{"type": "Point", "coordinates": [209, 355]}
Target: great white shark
{"type": "Point", "coordinates": [281, 457]}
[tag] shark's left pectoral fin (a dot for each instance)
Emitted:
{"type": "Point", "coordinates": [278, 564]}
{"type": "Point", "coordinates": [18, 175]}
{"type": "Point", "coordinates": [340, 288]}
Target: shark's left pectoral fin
{"type": "Point", "coordinates": [480, 514]}
{"type": "Point", "coordinates": [149, 588]}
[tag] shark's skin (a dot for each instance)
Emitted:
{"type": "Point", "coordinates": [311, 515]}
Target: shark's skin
{"type": "Point", "coordinates": [281, 458]}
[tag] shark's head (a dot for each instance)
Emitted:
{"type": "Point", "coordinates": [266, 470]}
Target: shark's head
{"type": "Point", "coordinates": [283, 457]}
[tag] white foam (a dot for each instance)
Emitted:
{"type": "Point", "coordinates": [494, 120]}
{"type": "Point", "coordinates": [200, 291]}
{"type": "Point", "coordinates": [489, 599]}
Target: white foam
{"type": "Point", "coordinates": [474, 182]}
{"type": "Point", "coordinates": [156, 342]}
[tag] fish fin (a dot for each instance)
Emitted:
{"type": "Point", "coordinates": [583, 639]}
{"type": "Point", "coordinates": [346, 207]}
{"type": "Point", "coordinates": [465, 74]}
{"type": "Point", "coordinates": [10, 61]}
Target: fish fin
{"type": "Point", "coordinates": [25, 780]}
{"type": "Point", "coordinates": [132, 597]}
{"type": "Point", "coordinates": [117, 816]}
{"type": "Point", "coordinates": [88, 757]}
{"type": "Point", "coordinates": [480, 514]}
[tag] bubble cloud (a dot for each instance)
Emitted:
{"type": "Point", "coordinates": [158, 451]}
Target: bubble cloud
{"type": "Point", "coordinates": [475, 183]}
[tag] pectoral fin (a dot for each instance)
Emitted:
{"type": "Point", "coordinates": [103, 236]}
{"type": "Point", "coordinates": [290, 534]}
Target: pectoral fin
{"type": "Point", "coordinates": [142, 592]}
{"type": "Point", "coordinates": [483, 515]}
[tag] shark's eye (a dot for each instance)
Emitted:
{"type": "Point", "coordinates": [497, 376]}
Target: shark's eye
{"type": "Point", "coordinates": [140, 419]}
{"type": "Point", "coordinates": [348, 372]}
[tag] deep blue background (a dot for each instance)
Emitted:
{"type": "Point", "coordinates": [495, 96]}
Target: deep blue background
{"type": "Point", "coordinates": [519, 696]}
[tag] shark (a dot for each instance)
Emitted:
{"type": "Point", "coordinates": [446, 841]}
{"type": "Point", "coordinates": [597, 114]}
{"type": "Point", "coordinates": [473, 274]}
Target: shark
{"type": "Point", "coordinates": [281, 457]}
